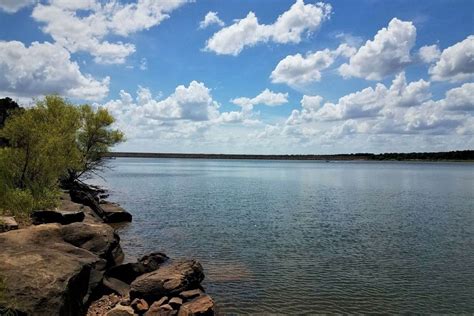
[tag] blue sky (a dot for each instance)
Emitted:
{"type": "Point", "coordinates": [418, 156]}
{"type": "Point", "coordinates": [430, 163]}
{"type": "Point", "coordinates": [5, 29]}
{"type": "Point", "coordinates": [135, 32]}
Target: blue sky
{"type": "Point", "coordinates": [253, 76]}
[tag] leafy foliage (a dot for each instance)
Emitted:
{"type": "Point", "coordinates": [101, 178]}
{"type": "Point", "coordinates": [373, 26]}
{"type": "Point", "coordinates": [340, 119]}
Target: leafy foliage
{"type": "Point", "coordinates": [51, 141]}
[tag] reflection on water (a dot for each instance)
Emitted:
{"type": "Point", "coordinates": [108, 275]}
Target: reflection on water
{"type": "Point", "coordinates": [304, 237]}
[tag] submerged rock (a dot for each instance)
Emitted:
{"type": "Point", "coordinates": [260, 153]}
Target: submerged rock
{"type": "Point", "coordinates": [169, 280]}
{"type": "Point", "coordinates": [52, 269]}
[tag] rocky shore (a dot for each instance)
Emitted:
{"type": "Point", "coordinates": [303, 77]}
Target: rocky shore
{"type": "Point", "coordinates": [69, 262]}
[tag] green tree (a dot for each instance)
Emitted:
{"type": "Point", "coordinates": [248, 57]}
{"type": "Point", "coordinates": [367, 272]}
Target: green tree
{"type": "Point", "coordinates": [51, 141]}
{"type": "Point", "coordinates": [94, 139]}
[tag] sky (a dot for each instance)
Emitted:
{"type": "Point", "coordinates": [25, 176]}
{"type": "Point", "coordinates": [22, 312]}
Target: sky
{"type": "Point", "coordinates": [252, 76]}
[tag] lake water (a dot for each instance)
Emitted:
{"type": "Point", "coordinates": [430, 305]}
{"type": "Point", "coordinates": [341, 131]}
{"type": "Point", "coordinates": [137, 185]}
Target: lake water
{"type": "Point", "coordinates": [288, 237]}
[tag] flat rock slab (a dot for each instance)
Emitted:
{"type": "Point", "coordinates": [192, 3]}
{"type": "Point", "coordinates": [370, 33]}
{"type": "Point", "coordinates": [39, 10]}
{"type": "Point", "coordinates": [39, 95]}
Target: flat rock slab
{"type": "Point", "coordinates": [114, 213]}
{"type": "Point", "coordinates": [7, 223]}
{"type": "Point", "coordinates": [168, 280]}
{"type": "Point", "coordinates": [202, 305]}
{"type": "Point", "coordinates": [51, 269]}
{"type": "Point", "coordinates": [56, 216]}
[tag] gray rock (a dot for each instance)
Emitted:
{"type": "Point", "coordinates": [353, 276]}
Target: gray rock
{"type": "Point", "coordinates": [52, 269]}
{"type": "Point", "coordinates": [116, 285]}
{"type": "Point", "coordinates": [170, 279]}
{"type": "Point", "coordinates": [53, 216]}
{"type": "Point", "coordinates": [7, 223]}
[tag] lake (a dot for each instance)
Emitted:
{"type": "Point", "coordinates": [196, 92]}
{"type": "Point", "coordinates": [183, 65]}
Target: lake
{"type": "Point", "coordinates": [299, 237]}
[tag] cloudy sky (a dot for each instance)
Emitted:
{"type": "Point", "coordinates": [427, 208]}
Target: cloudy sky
{"type": "Point", "coordinates": [253, 76]}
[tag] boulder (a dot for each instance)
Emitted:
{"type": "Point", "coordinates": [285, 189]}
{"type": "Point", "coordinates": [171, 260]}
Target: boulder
{"type": "Point", "coordinates": [202, 305]}
{"type": "Point", "coordinates": [170, 279]}
{"type": "Point", "coordinates": [128, 272]}
{"type": "Point", "coordinates": [121, 310]}
{"type": "Point", "coordinates": [116, 286]}
{"type": "Point", "coordinates": [114, 213]}
{"type": "Point", "coordinates": [55, 216]}
{"type": "Point", "coordinates": [7, 223]}
{"type": "Point", "coordinates": [108, 212]}
{"type": "Point", "coordinates": [190, 294]}
{"type": "Point", "coordinates": [52, 269]}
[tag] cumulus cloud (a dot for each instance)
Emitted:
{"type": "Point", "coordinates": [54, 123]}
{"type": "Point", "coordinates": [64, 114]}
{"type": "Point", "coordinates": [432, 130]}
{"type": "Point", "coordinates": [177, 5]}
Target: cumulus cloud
{"type": "Point", "coordinates": [289, 27]}
{"type": "Point", "coordinates": [188, 113]}
{"type": "Point", "coordinates": [298, 69]}
{"type": "Point", "coordinates": [12, 6]}
{"type": "Point", "coordinates": [365, 103]}
{"type": "Point", "coordinates": [460, 98]}
{"type": "Point", "coordinates": [83, 26]}
{"type": "Point", "coordinates": [211, 18]}
{"type": "Point", "coordinates": [266, 97]}
{"type": "Point", "coordinates": [456, 63]}
{"type": "Point", "coordinates": [429, 54]}
{"type": "Point", "coordinates": [386, 54]}
{"type": "Point", "coordinates": [44, 68]}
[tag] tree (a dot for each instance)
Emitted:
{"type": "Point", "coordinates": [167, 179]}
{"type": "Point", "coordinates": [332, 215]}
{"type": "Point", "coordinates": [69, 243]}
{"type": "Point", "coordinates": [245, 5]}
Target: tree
{"type": "Point", "coordinates": [51, 141]}
{"type": "Point", "coordinates": [94, 139]}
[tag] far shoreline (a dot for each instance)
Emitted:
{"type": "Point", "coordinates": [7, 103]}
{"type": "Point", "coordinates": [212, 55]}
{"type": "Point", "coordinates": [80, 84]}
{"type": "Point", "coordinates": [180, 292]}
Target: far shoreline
{"type": "Point", "coordinates": [452, 156]}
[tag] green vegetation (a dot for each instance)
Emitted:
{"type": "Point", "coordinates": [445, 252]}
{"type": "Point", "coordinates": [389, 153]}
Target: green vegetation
{"type": "Point", "coordinates": [51, 142]}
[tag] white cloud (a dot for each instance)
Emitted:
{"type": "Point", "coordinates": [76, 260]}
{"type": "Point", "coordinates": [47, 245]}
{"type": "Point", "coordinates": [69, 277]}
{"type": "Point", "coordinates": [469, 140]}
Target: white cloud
{"type": "Point", "coordinates": [84, 26]}
{"type": "Point", "coordinates": [143, 64]}
{"type": "Point", "coordinates": [12, 6]}
{"type": "Point", "coordinates": [386, 54]}
{"type": "Point", "coordinates": [211, 18]}
{"type": "Point", "coordinates": [460, 98]}
{"type": "Point", "coordinates": [266, 97]}
{"type": "Point", "coordinates": [300, 19]}
{"type": "Point", "coordinates": [44, 68]}
{"type": "Point", "coordinates": [298, 69]}
{"type": "Point", "coordinates": [429, 54]}
{"type": "Point", "coordinates": [456, 63]}
{"type": "Point", "coordinates": [368, 102]}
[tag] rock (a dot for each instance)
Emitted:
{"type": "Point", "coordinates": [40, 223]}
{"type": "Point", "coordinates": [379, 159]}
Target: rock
{"type": "Point", "coordinates": [109, 212]}
{"type": "Point", "coordinates": [98, 238]}
{"type": "Point", "coordinates": [115, 214]}
{"type": "Point", "coordinates": [187, 295]}
{"type": "Point", "coordinates": [170, 279]}
{"type": "Point", "coordinates": [66, 205]}
{"type": "Point", "coordinates": [140, 305]}
{"type": "Point", "coordinates": [103, 305]}
{"type": "Point", "coordinates": [202, 305]}
{"type": "Point", "coordinates": [116, 285]}
{"type": "Point", "coordinates": [52, 216]}
{"type": "Point", "coordinates": [121, 310]}
{"type": "Point", "coordinates": [7, 223]}
{"type": "Point", "coordinates": [52, 269]}
{"type": "Point", "coordinates": [160, 302]}
{"type": "Point", "coordinates": [176, 302]}
{"type": "Point", "coordinates": [128, 272]}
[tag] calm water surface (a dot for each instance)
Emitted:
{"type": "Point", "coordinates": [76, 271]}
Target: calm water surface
{"type": "Point", "coordinates": [308, 237]}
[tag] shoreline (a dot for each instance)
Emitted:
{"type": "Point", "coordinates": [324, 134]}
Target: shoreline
{"type": "Point", "coordinates": [90, 276]}
{"type": "Point", "coordinates": [454, 156]}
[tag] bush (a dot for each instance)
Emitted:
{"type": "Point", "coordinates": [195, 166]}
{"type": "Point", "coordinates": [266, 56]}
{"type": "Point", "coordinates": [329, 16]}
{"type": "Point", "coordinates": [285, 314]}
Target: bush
{"type": "Point", "coordinates": [51, 141]}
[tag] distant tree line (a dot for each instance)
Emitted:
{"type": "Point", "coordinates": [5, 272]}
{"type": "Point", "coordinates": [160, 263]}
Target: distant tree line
{"type": "Point", "coordinates": [427, 156]}
{"type": "Point", "coordinates": [50, 143]}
